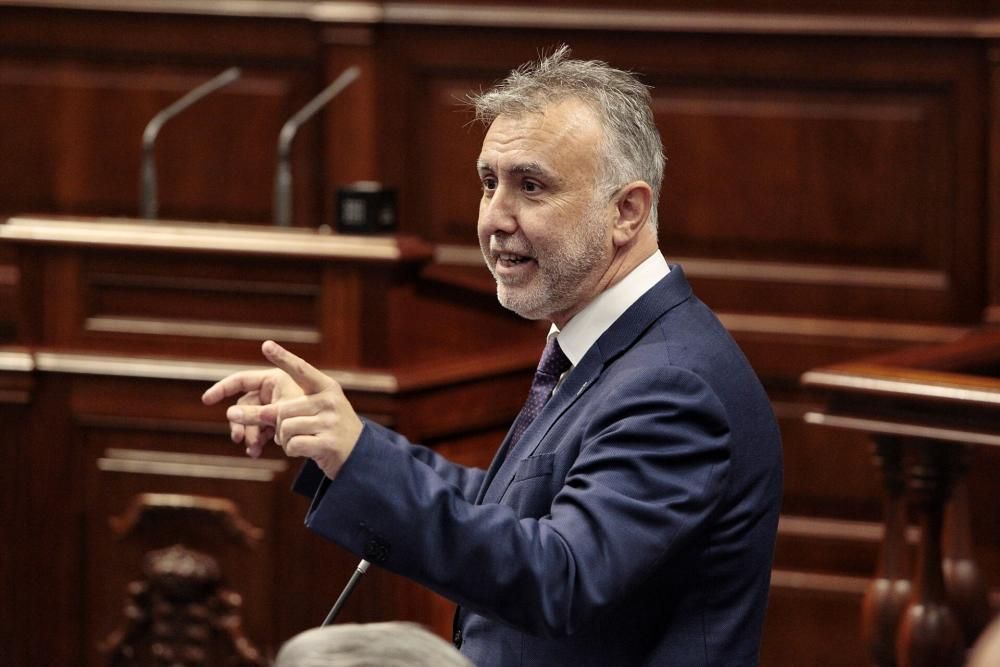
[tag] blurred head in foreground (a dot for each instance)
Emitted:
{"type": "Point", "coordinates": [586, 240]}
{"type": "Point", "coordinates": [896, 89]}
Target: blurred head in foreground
{"type": "Point", "coordinates": [394, 644]}
{"type": "Point", "coordinates": [986, 652]}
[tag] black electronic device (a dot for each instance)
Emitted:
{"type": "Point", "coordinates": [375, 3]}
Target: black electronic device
{"type": "Point", "coordinates": [366, 208]}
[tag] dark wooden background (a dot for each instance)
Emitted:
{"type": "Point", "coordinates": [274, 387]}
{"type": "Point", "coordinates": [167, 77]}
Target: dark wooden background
{"type": "Point", "coordinates": [832, 190]}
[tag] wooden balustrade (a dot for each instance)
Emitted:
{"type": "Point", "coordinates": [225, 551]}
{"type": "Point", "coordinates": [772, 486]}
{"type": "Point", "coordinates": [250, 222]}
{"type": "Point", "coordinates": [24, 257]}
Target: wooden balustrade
{"type": "Point", "coordinates": [927, 410]}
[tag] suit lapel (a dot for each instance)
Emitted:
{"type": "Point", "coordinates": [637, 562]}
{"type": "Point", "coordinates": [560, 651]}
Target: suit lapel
{"type": "Point", "coordinates": [498, 459]}
{"type": "Point", "coordinates": [626, 330]}
{"type": "Point", "coordinates": [573, 386]}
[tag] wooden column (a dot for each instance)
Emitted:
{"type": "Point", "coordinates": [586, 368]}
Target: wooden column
{"type": "Point", "coordinates": [889, 592]}
{"type": "Point", "coordinates": [929, 634]}
{"type": "Point", "coordinates": [967, 588]}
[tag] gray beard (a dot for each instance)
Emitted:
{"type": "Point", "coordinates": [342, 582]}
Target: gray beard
{"type": "Point", "coordinates": [564, 275]}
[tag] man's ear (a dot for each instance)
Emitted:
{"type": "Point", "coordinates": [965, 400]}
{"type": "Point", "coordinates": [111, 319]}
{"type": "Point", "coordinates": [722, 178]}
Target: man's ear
{"type": "Point", "coordinates": [633, 203]}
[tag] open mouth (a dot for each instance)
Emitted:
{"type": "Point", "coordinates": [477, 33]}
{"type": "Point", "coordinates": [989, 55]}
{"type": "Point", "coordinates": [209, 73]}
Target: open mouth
{"type": "Point", "coordinates": [511, 259]}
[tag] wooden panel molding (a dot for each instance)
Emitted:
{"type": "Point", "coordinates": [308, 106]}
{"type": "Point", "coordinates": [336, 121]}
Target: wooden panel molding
{"type": "Point", "coordinates": [935, 18]}
{"type": "Point", "coordinates": [140, 462]}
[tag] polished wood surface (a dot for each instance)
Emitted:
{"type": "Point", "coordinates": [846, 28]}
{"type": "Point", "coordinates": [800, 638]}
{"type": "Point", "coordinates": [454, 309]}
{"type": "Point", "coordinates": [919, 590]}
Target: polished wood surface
{"type": "Point", "coordinates": [831, 190]}
{"type": "Point", "coordinates": [187, 237]}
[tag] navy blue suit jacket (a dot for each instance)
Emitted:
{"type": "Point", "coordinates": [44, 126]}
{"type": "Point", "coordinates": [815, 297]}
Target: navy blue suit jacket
{"type": "Point", "coordinates": [633, 524]}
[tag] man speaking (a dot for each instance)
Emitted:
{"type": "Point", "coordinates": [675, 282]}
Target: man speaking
{"type": "Point", "coordinates": [629, 516]}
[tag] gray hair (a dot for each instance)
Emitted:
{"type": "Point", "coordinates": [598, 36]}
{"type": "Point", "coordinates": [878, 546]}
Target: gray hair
{"type": "Point", "coordinates": [393, 644]}
{"type": "Point", "coordinates": [631, 148]}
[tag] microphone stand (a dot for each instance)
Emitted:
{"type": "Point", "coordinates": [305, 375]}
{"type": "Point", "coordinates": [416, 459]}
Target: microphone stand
{"type": "Point", "coordinates": [147, 189]}
{"type": "Point", "coordinates": [283, 174]}
{"type": "Point", "coordinates": [351, 583]}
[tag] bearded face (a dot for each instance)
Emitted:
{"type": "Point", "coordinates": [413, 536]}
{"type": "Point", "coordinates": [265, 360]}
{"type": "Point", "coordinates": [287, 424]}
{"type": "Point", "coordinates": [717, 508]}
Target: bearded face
{"type": "Point", "coordinates": [552, 274]}
{"type": "Point", "coordinates": [544, 230]}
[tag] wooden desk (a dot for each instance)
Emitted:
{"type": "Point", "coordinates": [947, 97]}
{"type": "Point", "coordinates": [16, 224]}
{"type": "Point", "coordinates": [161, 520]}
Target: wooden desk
{"type": "Point", "coordinates": [926, 409]}
{"type": "Point", "coordinates": [110, 459]}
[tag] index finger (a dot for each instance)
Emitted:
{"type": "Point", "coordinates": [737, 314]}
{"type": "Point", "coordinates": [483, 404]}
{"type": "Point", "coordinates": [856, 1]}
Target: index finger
{"type": "Point", "coordinates": [308, 377]}
{"type": "Point", "coordinates": [241, 382]}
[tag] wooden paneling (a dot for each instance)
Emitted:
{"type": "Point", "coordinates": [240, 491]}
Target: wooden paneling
{"type": "Point", "coordinates": [9, 280]}
{"type": "Point", "coordinates": [827, 634]}
{"type": "Point", "coordinates": [816, 464]}
{"type": "Point", "coordinates": [451, 140]}
{"type": "Point", "coordinates": [49, 535]}
{"type": "Point", "coordinates": [99, 438]}
{"type": "Point", "coordinates": [80, 127]}
{"type": "Point", "coordinates": [74, 113]}
{"type": "Point", "coordinates": [993, 184]}
{"type": "Point", "coordinates": [823, 178]}
{"type": "Point", "coordinates": [16, 392]}
{"type": "Point", "coordinates": [352, 150]}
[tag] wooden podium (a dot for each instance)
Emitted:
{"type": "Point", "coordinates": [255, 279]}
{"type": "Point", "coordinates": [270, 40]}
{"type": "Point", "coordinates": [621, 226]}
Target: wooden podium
{"type": "Point", "coordinates": [114, 473]}
{"type": "Point", "coordinates": [927, 409]}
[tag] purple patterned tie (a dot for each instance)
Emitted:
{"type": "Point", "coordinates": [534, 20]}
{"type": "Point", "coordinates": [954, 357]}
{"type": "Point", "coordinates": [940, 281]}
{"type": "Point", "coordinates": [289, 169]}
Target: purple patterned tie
{"type": "Point", "coordinates": [550, 368]}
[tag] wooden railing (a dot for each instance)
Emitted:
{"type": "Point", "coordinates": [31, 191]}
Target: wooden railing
{"type": "Point", "coordinates": [927, 411]}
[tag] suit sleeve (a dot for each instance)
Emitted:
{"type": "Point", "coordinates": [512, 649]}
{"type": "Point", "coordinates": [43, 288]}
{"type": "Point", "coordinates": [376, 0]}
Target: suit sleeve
{"type": "Point", "coordinates": [311, 479]}
{"type": "Point", "coordinates": [652, 465]}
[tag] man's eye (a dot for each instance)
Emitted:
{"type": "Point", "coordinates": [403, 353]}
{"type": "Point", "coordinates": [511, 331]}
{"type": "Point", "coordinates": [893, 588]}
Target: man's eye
{"type": "Point", "coordinates": [531, 186]}
{"type": "Point", "coordinates": [489, 184]}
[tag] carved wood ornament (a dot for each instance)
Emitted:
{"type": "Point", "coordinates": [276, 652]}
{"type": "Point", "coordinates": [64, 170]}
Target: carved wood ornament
{"type": "Point", "coordinates": [179, 614]}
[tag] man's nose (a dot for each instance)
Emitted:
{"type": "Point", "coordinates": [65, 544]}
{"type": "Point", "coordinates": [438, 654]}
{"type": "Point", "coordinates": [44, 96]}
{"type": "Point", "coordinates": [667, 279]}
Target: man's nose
{"type": "Point", "coordinates": [499, 212]}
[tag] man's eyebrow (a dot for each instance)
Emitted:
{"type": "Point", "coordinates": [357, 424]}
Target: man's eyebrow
{"type": "Point", "coordinates": [530, 169]}
{"type": "Point", "coordinates": [523, 168]}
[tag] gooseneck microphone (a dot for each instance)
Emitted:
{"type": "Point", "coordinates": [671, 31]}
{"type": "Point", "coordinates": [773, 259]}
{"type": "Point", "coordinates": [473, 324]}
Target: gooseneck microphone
{"type": "Point", "coordinates": [351, 583]}
{"type": "Point", "coordinates": [283, 174]}
{"type": "Point", "coordinates": [148, 203]}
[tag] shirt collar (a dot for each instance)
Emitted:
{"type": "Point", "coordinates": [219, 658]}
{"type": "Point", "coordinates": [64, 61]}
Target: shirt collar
{"type": "Point", "coordinates": [589, 324]}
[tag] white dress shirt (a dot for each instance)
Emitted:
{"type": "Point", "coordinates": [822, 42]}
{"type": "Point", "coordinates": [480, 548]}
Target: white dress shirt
{"type": "Point", "coordinates": [589, 324]}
